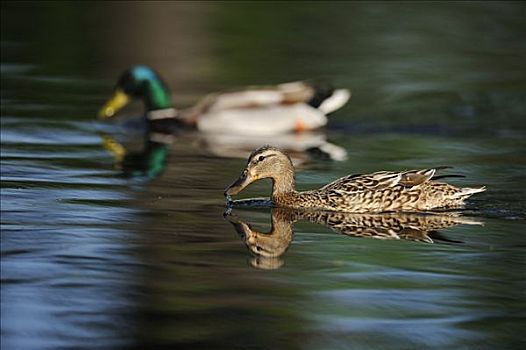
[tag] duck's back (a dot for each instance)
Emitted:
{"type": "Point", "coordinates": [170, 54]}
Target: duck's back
{"type": "Point", "coordinates": [295, 106]}
{"type": "Point", "coordinates": [412, 190]}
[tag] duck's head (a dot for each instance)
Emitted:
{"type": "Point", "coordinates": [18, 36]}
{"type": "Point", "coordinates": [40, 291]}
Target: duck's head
{"type": "Point", "coordinates": [139, 82]}
{"type": "Point", "coordinates": [266, 248]}
{"type": "Point", "coordinates": [265, 162]}
{"type": "Point", "coordinates": [268, 245]}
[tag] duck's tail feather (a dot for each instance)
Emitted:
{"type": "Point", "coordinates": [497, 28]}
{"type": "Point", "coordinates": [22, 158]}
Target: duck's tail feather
{"type": "Point", "coordinates": [328, 99]}
{"type": "Point", "coordinates": [468, 191]}
{"type": "Point", "coordinates": [335, 101]}
{"type": "Point", "coordinates": [329, 151]}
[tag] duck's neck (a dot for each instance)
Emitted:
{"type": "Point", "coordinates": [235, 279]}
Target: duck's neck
{"type": "Point", "coordinates": [282, 223]}
{"type": "Point", "coordinates": [283, 185]}
{"type": "Point", "coordinates": [157, 96]}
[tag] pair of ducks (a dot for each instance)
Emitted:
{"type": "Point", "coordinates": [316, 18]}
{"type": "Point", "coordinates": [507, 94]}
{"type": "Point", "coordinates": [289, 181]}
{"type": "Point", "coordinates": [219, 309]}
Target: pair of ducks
{"type": "Point", "coordinates": [285, 108]}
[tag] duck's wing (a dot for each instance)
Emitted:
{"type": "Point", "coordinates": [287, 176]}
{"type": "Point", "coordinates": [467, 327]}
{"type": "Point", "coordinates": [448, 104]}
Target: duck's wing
{"type": "Point", "coordinates": [288, 93]}
{"type": "Point", "coordinates": [328, 99]}
{"type": "Point", "coordinates": [413, 178]}
{"type": "Point", "coordinates": [323, 97]}
{"type": "Point", "coordinates": [317, 95]}
{"type": "Point", "coordinates": [254, 98]}
{"type": "Point", "coordinates": [381, 180]}
{"type": "Point", "coordinates": [364, 182]}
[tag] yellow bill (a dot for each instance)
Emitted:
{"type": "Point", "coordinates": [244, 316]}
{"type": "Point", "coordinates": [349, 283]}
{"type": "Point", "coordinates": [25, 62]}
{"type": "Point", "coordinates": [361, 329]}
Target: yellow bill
{"type": "Point", "coordinates": [115, 148]}
{"type": "Point", "coordinates": [114, 104]}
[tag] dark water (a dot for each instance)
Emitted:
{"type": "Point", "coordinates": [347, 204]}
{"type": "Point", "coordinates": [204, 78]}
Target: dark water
{"type": "Point", "coordinates": [92, 259]}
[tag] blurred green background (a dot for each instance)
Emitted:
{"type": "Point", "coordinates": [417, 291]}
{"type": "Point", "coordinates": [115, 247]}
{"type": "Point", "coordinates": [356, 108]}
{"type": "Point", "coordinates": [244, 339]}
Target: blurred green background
{"type": "Point", "coordinates": [438, 61]}
{"type": "Point", "coordinates": [93, 260]}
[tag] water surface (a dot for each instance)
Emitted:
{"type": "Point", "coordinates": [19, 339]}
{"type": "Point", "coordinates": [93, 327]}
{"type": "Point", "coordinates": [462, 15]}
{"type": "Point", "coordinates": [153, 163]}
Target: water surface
{"type": "Point", "coordinates": [95, 259]}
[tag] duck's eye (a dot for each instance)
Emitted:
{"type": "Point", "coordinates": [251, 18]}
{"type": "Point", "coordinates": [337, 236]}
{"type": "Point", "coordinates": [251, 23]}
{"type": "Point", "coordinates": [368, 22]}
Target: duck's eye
{"type": "Point", "coordinates": [261, 158]}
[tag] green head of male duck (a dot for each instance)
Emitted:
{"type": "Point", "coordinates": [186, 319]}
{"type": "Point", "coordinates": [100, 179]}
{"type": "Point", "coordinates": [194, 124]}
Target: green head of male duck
{"type": "Point", "coordinates": [139, 82]}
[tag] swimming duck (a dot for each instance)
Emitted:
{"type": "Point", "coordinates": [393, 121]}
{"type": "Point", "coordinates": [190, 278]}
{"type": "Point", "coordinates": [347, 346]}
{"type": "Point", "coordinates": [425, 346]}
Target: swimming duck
{"type": "Point", "coordinates": [295, 106]}
{"type": "Point", "coordinates": [411, 190]}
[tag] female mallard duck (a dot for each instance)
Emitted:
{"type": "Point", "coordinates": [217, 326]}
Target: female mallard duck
{"type": "Point", "coordinates": [412, 190]}
{"type": "Point", "coordinates": [295, 106]}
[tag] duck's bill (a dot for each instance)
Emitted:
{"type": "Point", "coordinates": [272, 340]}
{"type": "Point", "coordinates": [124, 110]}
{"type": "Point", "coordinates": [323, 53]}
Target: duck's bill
{"type": "Point", "coordinates": [114, 104]}
{"type": "Point", "coordinates": [237, 186]}
{"type": "Point", "coordinates": [114, 147]}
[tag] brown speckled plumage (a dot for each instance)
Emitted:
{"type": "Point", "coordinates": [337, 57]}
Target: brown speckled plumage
{"type": "Point", "coordinates": [411, 190]}
{"type": "Point", "coordinates": [409, 226]}
{"type": "Point", "coordinates": [267, 247]}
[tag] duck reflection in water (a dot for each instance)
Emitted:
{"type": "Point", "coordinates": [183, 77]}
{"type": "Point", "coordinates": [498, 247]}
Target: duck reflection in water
{"type": "Point", "coordinates": [152, 158]}
{"type": "Point", "coordinates": [267, 248]}
{"type": "Point", "coordinates": [147, 163]}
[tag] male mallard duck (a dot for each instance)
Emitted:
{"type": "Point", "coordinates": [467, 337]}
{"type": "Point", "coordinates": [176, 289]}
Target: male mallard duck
{"type": "Point", "coordinates": [294, 106]}
{"type": "Point", "coordinates": [412, 190]}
